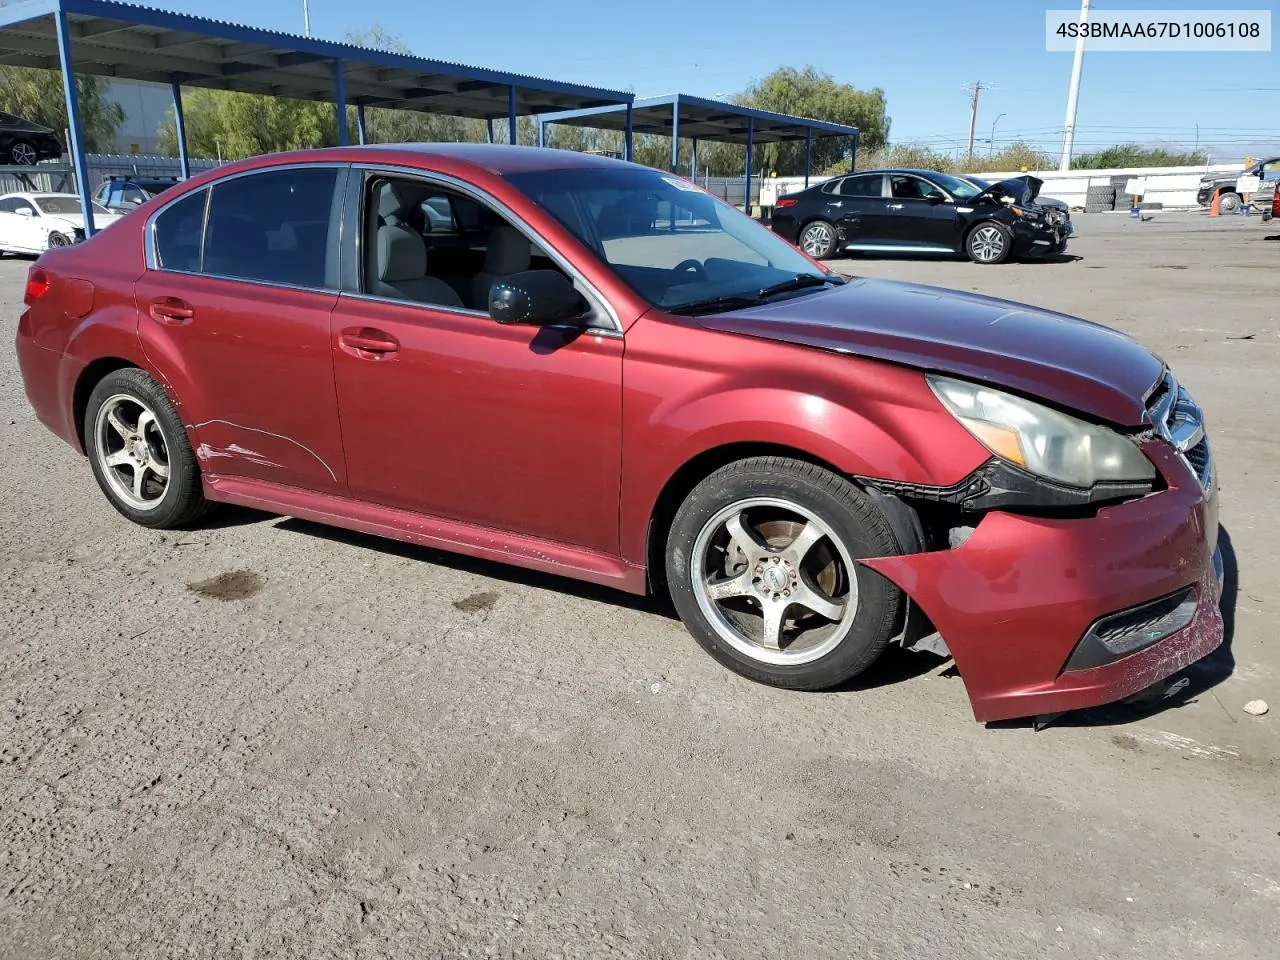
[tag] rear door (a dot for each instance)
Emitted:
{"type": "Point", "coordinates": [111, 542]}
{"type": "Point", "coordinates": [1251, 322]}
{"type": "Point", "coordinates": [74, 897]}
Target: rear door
{"type": "Point", "coordinates": [857, 206]}
{"type": "Point", "coordinates": [234, 310]}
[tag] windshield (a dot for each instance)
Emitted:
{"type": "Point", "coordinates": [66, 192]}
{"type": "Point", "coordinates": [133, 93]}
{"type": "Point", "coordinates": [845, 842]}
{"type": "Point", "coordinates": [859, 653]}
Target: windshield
{"type": "Point", "coordinates": [55, 206]}
{"type": "Point", "coordinates": [671, 242]}
{"type": "Point", "coordinates": [958, 188]}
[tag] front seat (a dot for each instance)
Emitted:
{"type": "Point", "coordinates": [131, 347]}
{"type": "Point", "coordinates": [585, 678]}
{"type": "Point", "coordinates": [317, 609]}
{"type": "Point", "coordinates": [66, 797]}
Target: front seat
{"type": "Point", "coordinates": [509, 252]}
{"type": "Point", "coordinates": [402, 269]}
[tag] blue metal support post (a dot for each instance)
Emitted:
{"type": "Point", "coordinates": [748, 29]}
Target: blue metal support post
{"type": "Point", "coordinates": [180, 129]}
{"type": "Point", "coordinates": [340, 95]}
{"type": "Point", "coordinates": [512, 128]}
{"type": "Point", "coordinates": [675, 137]}
{"type": "Point", "coordinates": [73, 119]}
{"type": "Point", "coordinates": [746, 197]}
{"type": "Point", "coordinates": [808, 154]}
{"type": "Point", "coordinates": [488, 126]}
{"type": "Point", "coordinates": [693, 162]}
{"type": "Point", "coordinates": [627, 137]}
{"type": "Point", "coordinates": [362, 131]}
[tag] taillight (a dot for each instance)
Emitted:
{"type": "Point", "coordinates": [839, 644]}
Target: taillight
{"type": "Point", "coordinates": [38, 284]}
{"type": "Point", "coordinates": [784, 202]}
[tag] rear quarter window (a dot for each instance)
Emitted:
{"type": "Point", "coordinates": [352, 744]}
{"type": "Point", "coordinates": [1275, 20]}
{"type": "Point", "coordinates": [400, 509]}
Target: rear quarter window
{"type": "Point", "coordinates": [177, 234]}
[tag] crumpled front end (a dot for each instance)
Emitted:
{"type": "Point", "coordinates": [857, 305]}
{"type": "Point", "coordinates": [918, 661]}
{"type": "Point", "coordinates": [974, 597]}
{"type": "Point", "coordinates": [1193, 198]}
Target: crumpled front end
{"type": "Point", "coordinates": [1044, 615]}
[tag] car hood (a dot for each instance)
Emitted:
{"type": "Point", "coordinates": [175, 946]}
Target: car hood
{"type": "Point", "coordinates": [1061, 359]}
{"type": "Point", "coordinates": [1021, 189]}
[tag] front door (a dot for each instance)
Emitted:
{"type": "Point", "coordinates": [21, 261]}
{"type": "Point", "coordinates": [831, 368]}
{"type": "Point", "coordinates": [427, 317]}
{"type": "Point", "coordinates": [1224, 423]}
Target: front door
{"type": "Point", "coordinates": [921, 215]}
{"type": "Point", "coordinates": [448, 413]}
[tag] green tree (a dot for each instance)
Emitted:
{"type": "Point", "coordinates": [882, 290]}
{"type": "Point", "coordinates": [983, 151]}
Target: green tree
{"type": "Point", "coordinates": [818, 96]}
{"type": "Point", "coordinates": [37, 95]}
{"type": "Point", "coordinates": [231, 125]}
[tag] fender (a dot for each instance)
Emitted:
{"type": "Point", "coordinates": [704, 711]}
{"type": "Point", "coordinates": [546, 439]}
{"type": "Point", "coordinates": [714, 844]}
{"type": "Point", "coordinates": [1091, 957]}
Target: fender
{"type": "Point", "coordinates": [897, 429]}
{"type": "Point", "coordinates": [111, 332]}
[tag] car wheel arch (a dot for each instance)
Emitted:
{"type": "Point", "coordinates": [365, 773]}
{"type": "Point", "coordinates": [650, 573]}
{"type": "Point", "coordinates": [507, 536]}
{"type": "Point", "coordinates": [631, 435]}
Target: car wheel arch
{"type": "Point", "coordinates": [89, 378]}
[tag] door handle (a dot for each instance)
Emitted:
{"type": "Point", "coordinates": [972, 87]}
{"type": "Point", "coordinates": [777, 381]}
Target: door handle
{"type": "Point", "coordinates": [364, 341]}
{"type": "Point", "coordinates": [171, 311]}
{"type": "Point", "coordinates": [895, 206]}
{"type": "Point", "coordinates": [837, 203]}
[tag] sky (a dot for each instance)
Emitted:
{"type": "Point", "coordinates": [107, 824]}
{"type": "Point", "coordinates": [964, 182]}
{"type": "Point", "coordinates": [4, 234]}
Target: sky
{"type": "Point", "coordinates": [923, 55]}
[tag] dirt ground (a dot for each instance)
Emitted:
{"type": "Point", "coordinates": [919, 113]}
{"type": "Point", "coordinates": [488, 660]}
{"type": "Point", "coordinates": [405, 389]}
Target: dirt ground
{"type": "Point", "coordinates": [268, 739]}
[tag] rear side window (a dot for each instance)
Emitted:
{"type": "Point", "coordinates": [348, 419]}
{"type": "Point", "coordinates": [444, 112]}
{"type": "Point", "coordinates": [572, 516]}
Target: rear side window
{"type": "Point", "coordinates": [860, 186]}
{"type": "Point", "coordinates": [271, 226]}
{"type": "Point", "coordinates": [177, 234]}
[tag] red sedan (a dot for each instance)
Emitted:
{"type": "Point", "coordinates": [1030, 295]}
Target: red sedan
{"type": "Point", "coordinates": [596, 369]}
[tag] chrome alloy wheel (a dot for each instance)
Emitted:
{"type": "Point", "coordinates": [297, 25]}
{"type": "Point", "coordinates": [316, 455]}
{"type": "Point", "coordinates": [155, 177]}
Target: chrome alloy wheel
{"type": "Point", "coordinates": [131, 451]}
{"type": "Point", "coordinates": [817, 240]}
{"type": "Point", "coordinates": [987, 244]}
{"type": "Point", "coordinates": [773, 581]}
{"type": "Point", "coordinates": [23, 154]}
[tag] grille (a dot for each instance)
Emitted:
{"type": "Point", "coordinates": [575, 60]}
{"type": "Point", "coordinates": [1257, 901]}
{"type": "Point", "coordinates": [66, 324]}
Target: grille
{"type": "Point", "coordinates": [1178, 420]}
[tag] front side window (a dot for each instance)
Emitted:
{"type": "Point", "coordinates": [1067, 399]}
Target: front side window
{"type": "Point", "coordinates": [671, 242]}
{"type": "Point", "coordinates": [271, 226]}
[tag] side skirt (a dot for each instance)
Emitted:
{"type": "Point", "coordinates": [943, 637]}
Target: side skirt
{"type": "Point", "coordinates": [451, 536]}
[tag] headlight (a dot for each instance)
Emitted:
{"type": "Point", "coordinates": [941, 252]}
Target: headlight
{"type": "Point", "coordinates": [1042, 440]}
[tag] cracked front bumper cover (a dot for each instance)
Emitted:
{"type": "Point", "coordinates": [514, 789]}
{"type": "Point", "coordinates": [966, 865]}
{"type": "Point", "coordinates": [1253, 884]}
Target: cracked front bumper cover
{"type": "Point", "coordinates": [1013, 602]}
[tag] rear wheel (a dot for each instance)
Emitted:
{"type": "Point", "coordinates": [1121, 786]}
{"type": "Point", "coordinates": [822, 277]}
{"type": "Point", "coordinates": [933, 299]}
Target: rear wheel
{"type": "Point", "coordinates": [23, 153]}
{"type": "Point", "coordinates": [762, 567]}
{"type": "Point", "coordinates": [818, 239]}
{"type": "Point", "coordinates": [1228, 202]}
{"type": "Point", "coordinates": [139, 452]}
{"type": "Point", "coordinates": [989, 242]}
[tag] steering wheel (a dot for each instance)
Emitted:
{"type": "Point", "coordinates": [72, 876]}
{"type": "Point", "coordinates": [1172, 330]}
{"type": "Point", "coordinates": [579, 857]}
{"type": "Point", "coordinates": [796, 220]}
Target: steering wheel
{"type": "Point", "coordinates": [691, 266]}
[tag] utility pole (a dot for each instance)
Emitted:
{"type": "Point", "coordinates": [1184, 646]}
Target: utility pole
{"type": "Point", "coordinates": [973, 117]}
{"type": "Point", "coordinates": [306, 18]}
{"type": "Point", "coordinates": [1069, 128]}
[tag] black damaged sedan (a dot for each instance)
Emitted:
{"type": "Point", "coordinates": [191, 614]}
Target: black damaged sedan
{"type": "Point", "coordinates": [922, 211]}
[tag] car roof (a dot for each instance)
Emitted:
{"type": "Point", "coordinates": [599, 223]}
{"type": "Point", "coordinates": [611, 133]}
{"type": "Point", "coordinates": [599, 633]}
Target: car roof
{"type": "Point", "coordinates": [494, 158]}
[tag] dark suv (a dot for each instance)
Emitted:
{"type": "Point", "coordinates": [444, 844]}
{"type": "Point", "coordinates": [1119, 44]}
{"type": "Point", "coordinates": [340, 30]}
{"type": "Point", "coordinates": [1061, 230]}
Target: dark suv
{"type": "Point", "coordinates": [24, 143]}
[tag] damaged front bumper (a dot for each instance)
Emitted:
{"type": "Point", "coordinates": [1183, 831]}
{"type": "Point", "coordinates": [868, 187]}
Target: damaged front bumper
{"type": "Point", "coordinates": [1018, 599]}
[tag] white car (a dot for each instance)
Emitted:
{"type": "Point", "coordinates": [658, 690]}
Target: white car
{"type": "Point", "coordinates": [36, 222]}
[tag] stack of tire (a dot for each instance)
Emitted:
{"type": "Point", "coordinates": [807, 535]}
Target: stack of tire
{"type": "Point", "coordinates": [1100, 198]}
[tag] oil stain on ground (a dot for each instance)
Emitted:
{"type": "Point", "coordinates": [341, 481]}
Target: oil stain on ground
{"type": "Point", "coordinates": [477, 602]}
{"type": "Point", "coordinates": [233, 585]}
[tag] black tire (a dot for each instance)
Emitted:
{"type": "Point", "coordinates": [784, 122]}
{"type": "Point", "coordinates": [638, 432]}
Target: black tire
{"type": "Point", "coordinates": [182, 500]}
{"type": "Point", "coordinates": [58, 239]}
{"type": "Point", "coordinates": [850, 516]}
{"type": "Point", "coordinates": [23, 153]}
{"type": "Point", "coordinates": [1228, 202]}
{"type": "Point", "coordinates": [821, 236]}
{"type": "Point", "coordinates": [978, 246]}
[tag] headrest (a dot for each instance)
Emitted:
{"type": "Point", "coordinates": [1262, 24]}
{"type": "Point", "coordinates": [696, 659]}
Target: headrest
{"type": "Point", "coordinates": [398, 199]}
{"type": "Point", "coordinates": [402, 255]}
{"type": "Point", "coordinates": [509, 251]}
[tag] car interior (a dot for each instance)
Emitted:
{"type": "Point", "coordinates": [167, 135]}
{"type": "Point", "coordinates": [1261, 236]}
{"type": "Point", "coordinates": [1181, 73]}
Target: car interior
{"type": "Point", "coordinates": [432, 245]}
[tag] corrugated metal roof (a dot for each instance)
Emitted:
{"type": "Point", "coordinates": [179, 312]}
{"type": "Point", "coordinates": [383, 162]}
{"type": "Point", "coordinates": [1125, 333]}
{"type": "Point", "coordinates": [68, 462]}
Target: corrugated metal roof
{"type": "Point", "coordinates": [135, 42]}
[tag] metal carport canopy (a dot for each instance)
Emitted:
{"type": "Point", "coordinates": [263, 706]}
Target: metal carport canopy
{"type": "Point", "coordinates": [697, 118]}
{"type": "Point", "coordinates": [131, 42]}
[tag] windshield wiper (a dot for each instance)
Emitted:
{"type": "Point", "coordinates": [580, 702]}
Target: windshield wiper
{"type": "Point", "coordinates": [799, 282]}
{"type": "Point", "coordinates": [714, 305]}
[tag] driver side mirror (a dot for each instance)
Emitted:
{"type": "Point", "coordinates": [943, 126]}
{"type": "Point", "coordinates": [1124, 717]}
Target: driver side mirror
{"type": "Point", "coordinates": [936, 198]}
{"type": "Point", "coordinates": [535, 297]}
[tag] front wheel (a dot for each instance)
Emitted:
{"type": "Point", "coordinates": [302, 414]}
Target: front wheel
{"type": "Point", "coordinates": [1228, 202]}
{"type": "Point", "coordinates": [989, 243]}
{"type": "Point", "coordinates": [139, 452]}
{"type": "Point", "coordinates": [762, 567]}
{"type": "Point", "coordinates": [818, 239]}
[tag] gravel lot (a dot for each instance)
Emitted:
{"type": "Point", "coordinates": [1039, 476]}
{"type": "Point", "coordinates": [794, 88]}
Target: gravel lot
{"type": "Point", "coordinates": [263, 738]}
